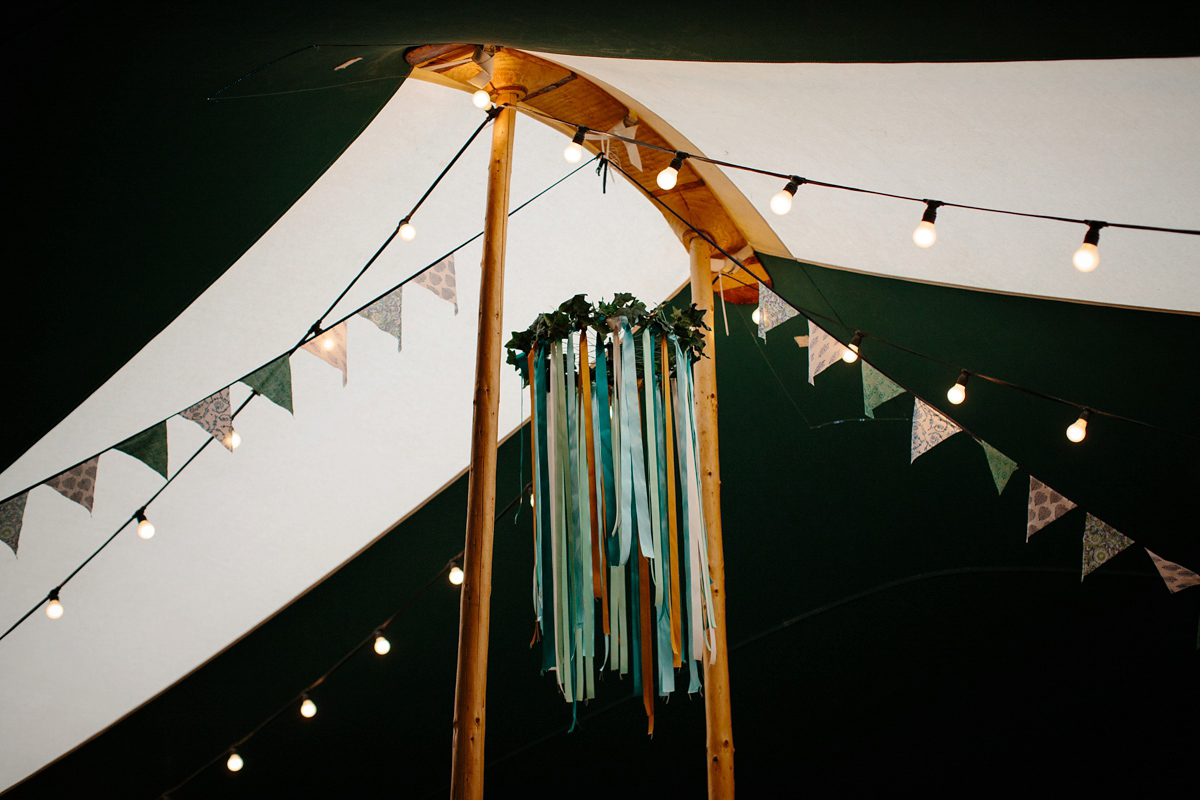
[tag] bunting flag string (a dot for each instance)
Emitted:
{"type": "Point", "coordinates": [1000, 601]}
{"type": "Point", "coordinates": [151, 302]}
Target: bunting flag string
{"type": "Point", "coordinates": [12, 517]}
{"type": "Point", "coordinates": [214, 414]}
{"type": "Point", "coordinates": [440, 280]}
{"type": "Point", "coordinates": [1002, 466]}
{"type": "Point", "coordinates": [330, 347]}
{"type": "Point", "coordinates": [823, 351]}
{"type": "Point", "coordinates": [1175, 576]}
{"type": "Point", "coordinates": [274, 382]}
{"type": "Point", "coordinates": [78, 483]}
{"type": "Point", "coordinates": [149, 447]}
{"type": "Point", "coordinates": [386, 314]}
{"type": "Point", "coordinates": [877, 389]}
{"type": "Point", "coordinates": [620, 573]}
{"type": "Point", "coordinates": [1045, 506]}
{"type": "Point", "coordinates": [930, 428]}
{"type": "Point", "coordinates": [1101, 542]}
{"type": "Point", "coordinates": [772, 310]}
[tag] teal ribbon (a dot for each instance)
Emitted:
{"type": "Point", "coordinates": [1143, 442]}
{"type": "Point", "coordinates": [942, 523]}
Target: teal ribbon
{"type": "Point", "coordinates": [543, 543]}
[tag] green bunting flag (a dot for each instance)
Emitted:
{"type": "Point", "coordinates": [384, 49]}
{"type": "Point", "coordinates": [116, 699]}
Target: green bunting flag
{"type": "Point", "coordinates": [1101, 542]}
{"type": "Point", "coordinates": [274, 382]}
{"type": "Point", "coordinates": [877, 389]}
{"type": "Point", "coordinates": [12, 515]}
{"type": "Point", "coordinates": [149, 447]}
{"type": "Point", "coordinates": [1002, 466]}
{"type": "Point", "coordinates": [387, 314]}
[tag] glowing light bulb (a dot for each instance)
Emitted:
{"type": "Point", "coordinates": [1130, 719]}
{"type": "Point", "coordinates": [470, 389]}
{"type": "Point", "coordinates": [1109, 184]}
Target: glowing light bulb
{"type": "Point", "coordinates": [850, 355]}
{"type": "Point", "coordinates": [669, 176]}
{"type": "Point", "coordinates": [456, 575]}
{"type": "Point", "coordinates": [1087, 257]}
{"type": "Point", "coordinates": [481, 99]}
{"type": "Point", "coordinates": [925, 234]}
{"type": "Point", "coordinates": [145, 527]}
{"type": "Point", "coordinates": [574, 151]}
{"type": "Point", "coordinates": [234, 763]}
{"type": "Point", "coordinates": [958, 392]}
{"type": "Point", "coordinates": [1078, 429]}
{"type": "Point", "coordinates": [756, 315]}
{"type": "Point", "coordinates": [407, 231]}
{"type": "Point", "coordinates": [308, 709]}
{"type": "Point", "coordinates": [382, 645]}
{"type": "Point", "coordinates": [782, 202]}
{"type": "Point", "coordinates": [328, 342]}
{"type": "Point", "coordinates": [54, 609]}
{"type": "Point", "coordinates": [233, 440]}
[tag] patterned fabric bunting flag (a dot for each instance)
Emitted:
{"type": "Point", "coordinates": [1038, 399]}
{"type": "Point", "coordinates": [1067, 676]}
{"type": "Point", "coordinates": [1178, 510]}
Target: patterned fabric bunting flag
{"type": "Point", "coordinates": [1101, 542]}
{"type": "Point", "coordinates": [214, 414]}
{"type": "Point", "coordinates": [386, 314]}
{"type": "Point", "coordinates": [149, 447]}
{"type": "Point", "coordinates": [330, 347]}
{"type": "Point", "coordinates": [877, 389]}
{"type": "Point", "coordinates": [12, 514]}
{"type": "Point", "coordinates": [1176, 577]}
{"type": "Point", "coordinates": [78, 483]}
{"type": "Point", "coordinates": [823, 351]}
{"type": "Point", "coordinates": [1002, 466]}
{"type": "Point", "coordinates": [631, 149]}
{"type": "Point", "coordinates": [274, 382]}
{"type": "Point", "coordinates": [772, 311]}
{"type": "Point", "coordinates": [930, 428]}
{"type": "Point", "coordinates": [439, 279]}
{"type": "Point", "coordinates": [1045, 506]}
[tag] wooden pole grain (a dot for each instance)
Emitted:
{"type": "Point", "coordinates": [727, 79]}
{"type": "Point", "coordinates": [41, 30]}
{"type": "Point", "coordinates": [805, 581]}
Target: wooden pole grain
{"type": "Point", "coordinates": [717, 716]}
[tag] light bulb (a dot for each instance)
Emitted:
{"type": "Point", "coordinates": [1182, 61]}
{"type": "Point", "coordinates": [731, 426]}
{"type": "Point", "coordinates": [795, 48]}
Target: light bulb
{"type": "Point", "coordinates": [328, 342]}
{"type": "Point", "coordinates": [308, 709]}
{"type": "Point", "coordinates": [54, 609]}
{"type": "Point", "coordinates": [407, 231]}
{"type": "Point", "coordinates": [850, 355]}
{"type": "Point", "coordinates": [574, 151]}
{"type": "Point", "coordinates": [145, 527]}
{"type": "Point", "coordinates": [756, 315]}
{"type": "Point", "coordinates": [925, 235]}
{"type": "Point", "coordinates": [235, 762]}
{"type": "Point", "coordinates": [233, 440]}
{"type": "Point", "coordinates": [382, 645]}
{"type": "Point", "coordinates": [456, 575]}
{"type": "Point", "coordinates": [782, 202]}
{"type": "Point", "coordinates": [1087, 257]}
{"type": "Point", "coordinates": [481, 99]}
{"type": "Point", "coordinates": [668, 177]}
{"type": "Point", "coordinates": [1078, 429]}
{"type": "Point", "coordinates": [958, 392]}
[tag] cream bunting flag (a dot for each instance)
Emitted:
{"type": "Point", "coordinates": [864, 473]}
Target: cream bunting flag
{"type": "Point", "coordinates": [215, 415]}
{"type": "Point", "coordinates": [1045, 506]}
{"type": "Point", "coordinates": [386, 314]}
{"type": "Point", "coordinates": [772, 311]}
{"type": "Point", "coordinates": [12, 516]}
{"type": "Point", "coordinates": [439, 279]}
{"type": "Point", "coordinates": [930, 428]}
{"type": "Point", "coordinates": [78, 483]}
{"type": "Point", "coordinates": [823, 351]}
{"type": "Point", "coordinates": [877, 389]}
{"type": "Point", "coordinates": [1002, 466]}
{"type": "Point", "coordinates": [1176, 577]}
{"type": "Point", "coordinates": [1101, 542]}
{"type": "Point", "coordinates": [330, 347]}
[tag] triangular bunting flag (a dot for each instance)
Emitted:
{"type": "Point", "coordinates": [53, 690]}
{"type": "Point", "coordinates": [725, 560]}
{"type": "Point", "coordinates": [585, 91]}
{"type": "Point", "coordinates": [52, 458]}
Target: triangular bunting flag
{"type": "Point", "coordinates": [274, 382]}
{"type": "Point", "coordinates": [877, 389]}
{"type": "Point", "coordinates": [149, 447]}
{"type": "Point", "coordinates": [386, 314]}
{"type": "Point", "coordinates": [631, 149]}
{"type": "Point", "coordinates": [1101, 542]}
{"type": "Point", "coordinates": [439, 279]}
{"type": "Point", "coordinates": [214, 414]}
{"type": "Point", "coordinates": [1045, 506]}
{"type": "Point", "coordinates": [772, 311]}
{"type": "Point", "coordinates": [78, 483]}
{"type": "Point", "coordinates": [330, 347]}
{"type": "Point", "coordinates": [1176, 577]}
{"type": "Point", "coordinates": [1002, 466]}
{"type": "Point", "coordinates": [930, 428]}
{"type": "Point", "coordinates": [12, 515]}
{"type": "Point", "coordinates": [823, 351]}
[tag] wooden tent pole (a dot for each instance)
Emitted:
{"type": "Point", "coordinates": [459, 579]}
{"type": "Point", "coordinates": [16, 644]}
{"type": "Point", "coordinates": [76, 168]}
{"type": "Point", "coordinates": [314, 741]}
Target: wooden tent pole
{"type": "Point", "coordinates": [470, 689]}
{"type": "Point", "coordinates": [718, 719]}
